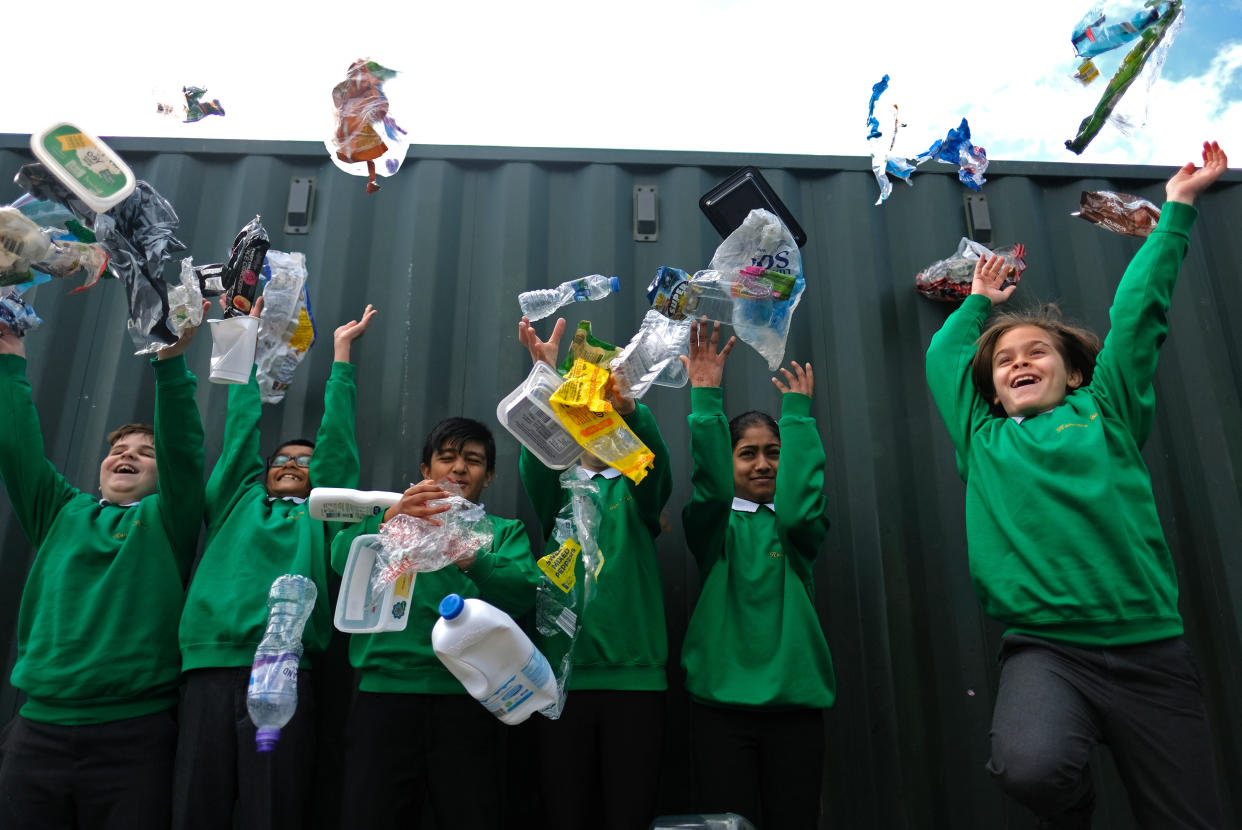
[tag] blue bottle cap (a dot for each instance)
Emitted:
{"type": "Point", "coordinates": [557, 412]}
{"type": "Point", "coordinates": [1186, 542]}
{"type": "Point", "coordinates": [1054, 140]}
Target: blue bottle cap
{"type": "Point", "coordinates": [451, 606]}
{"type": "Point", "coordinates": [265, 739]}
{"type": "Point", "coordinates": [615, 282]}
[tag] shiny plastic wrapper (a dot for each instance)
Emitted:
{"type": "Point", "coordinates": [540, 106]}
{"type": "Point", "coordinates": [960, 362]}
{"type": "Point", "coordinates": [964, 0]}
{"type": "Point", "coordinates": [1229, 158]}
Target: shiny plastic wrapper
{"type": "Point", "coordinates": [412, 545]}
{"type": "Point", "coordinates": [596, 426]}
{"type": "Point", "coordinates": [27, 250]}
{"type": "Point", "coordinates": [366, 139]}
{"type": "Point", "coordinates": [185, 300]}
{"type": "Point", "coordinates": [1097, 33]}
{"type": "Point", "coordinates": [18, 314]}
{"type": "Point", "coordinates": [883, 162]}
{"type": "Point", "coordinates": [1145, 58]}
{"type": "Point", "coordinates": [955, 148]}
{"type": "Point", "coordinates": [240, 276]}
{"type": "Point", "coordinates": [1118, 212]}
{"type": "Point", "coordinates": [287, 327]}
{"type": "Point", "coordinates": [188, 104]}
{"type": "Point", "coordinates": [653, 356]}
{"type": "Point", "coordinates": [586, 346]}
{"type": "Point", "coordinates": [567, 582]}
{"type": "Point", "coordinates": [949, 280]}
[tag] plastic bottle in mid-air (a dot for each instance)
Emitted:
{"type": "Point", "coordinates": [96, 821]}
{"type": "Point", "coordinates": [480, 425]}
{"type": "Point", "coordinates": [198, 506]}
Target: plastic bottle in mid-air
{"type": "Point", "coordinates": [272, 697]}
{"type": "Point", "coordinates": [543, 302]}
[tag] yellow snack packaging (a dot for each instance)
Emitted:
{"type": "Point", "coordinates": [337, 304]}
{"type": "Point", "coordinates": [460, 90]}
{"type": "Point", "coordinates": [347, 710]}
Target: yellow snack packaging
{"type": "Point", "coordinates": [580, 406]}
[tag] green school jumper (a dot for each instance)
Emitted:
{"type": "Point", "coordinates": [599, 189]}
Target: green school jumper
{"type": "Point", "coordinates": [402, 662]}
{"type": "Point", "coordinates": [96, 637]}
{"type": "Point", "coordinates": [1061, 524]}
{"type": "Point", "coordinates": [754, 639]}
{"type": "Point", "coordinates": [253, 538]}
{"type": "Point", "coordinates": [623, 645]}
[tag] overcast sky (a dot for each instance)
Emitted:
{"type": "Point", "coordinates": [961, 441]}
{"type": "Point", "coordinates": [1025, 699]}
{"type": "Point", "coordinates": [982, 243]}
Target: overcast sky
{"type": "Point", "coordinates": [733, 75]}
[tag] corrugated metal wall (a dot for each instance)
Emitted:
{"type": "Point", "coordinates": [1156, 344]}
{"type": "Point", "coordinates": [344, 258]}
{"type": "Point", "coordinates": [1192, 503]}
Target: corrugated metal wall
{"type": "Point", "coordinates": [447, 244]}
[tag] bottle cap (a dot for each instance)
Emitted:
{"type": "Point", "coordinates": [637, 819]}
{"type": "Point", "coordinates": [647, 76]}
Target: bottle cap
{"type": "Point", "coordinates": [265, 739]}
{"type": "Point", "coordinates": [451, 606]}
{"type": "Point", "coordinates": [615, 282]}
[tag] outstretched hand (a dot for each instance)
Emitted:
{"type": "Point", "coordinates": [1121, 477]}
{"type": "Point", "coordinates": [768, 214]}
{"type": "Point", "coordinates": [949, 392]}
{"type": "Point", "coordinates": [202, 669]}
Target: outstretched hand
{"type": "Point", "coordinates": [414, 502]}
{"type": "Point", "coordinates": [801, 380]}
{"type": "Point", "coordinates": [187, 334]}
{"type": "Point", "coordinates": [705, 365]}
{"type": "Point", "coordinates": [10, 343]}
{"type": "Point", "coordinates": [990, 275]}
{"type": "Point", "coordinates": [545, 350]}
{"type": "Point", "coordinates": [1190, 181]}
{"type": "Point", "coordinates": [347, 333]}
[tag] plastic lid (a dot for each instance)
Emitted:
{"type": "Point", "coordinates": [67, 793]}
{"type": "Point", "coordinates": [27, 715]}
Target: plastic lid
{"type": "Point", "coordinates": [451, 606]}
{"type": "Point", "coordinates": [83, 164]}
{"type": "Point", "coordinates": [615, 282]}
{"type": "Point", "coordinates": [266, 739]}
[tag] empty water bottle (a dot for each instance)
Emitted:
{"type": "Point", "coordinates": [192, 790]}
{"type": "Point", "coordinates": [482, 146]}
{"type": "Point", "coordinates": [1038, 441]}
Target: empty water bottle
{"type": "Point", "coordinates": [272, 697]}
{"type": "Point", "coordinates": [545, 301]}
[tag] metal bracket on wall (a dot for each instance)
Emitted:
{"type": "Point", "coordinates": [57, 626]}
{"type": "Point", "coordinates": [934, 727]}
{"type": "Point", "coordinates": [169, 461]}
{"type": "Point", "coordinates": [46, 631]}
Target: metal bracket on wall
{"type": "Point", "coordinates": [301, 200]}
{"type": "Point", "coordinates": [978, 220]}
{"type": "Point", "coordinates": [646, 213]}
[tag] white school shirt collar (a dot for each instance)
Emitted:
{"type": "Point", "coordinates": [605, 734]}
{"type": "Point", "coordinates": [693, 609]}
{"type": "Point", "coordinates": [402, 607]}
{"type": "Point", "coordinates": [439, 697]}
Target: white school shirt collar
{"type": "Point", "coordinates": [585, 474]}
{"type": "Point", "coordinates": [294, 499]}
{"type": "Point", "coordinates": [104, 502]}
{"type": "Point", "coordinates": [750, 506]}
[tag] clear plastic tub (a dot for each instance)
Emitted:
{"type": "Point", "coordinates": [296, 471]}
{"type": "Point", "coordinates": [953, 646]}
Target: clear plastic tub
{"type": "Point", "coordinates": [84, 164]}
{"type": "Point", "coordinates": [360, 610]}
{"type": "Point", "coordinates": [526, 413]}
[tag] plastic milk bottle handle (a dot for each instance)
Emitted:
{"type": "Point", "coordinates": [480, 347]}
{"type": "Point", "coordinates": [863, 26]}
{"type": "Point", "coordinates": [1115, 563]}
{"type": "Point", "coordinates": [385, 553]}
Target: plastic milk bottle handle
{"type": "Point", "coordinates": [341, 504]}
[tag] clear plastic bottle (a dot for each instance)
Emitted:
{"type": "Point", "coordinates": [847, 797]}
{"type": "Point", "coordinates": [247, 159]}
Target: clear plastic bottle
{"type": "Point", "coordinates": [272, 697]}
{"type": "Point", "coordinates": [493, 658]}
{"type": "Point", "coordinates": [543, 302]}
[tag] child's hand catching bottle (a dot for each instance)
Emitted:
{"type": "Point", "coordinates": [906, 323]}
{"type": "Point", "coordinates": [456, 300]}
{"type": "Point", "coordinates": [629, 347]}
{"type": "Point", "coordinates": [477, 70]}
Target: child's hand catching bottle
{"type": "Point", "coordinates": [705, 365]}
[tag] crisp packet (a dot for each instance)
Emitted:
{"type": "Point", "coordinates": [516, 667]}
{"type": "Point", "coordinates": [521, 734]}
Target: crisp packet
{"type": "Point", "coordinates": [949, 280]}
{"type": "Point", "coordinates": [583, 386]}
{"type": "Point", "coordinates": [1119, 212]}
{"type": "Point", "coordinates": [602, 432]}
{"type": "Point", "coordinates": [240, 276]}
{"type": "Point", "coordinates": [586, 346]}
{"type": "Point", "coordinates": [287, 327]}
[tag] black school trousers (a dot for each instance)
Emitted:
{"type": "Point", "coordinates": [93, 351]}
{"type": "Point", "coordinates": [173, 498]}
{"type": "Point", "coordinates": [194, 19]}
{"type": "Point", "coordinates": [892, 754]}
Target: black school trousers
{"type": "Point", "coordinates": [1145, 702]}
{"type": "Point", "coordinates": [105, 776]}
{"type": "Point", "coordinates": [219, 772]}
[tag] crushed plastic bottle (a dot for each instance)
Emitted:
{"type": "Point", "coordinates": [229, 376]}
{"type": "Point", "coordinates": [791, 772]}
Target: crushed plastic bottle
{"type": "Point", "coordinates": [272, 697]}
{"type": "Point", "coordinates": [543, 302]}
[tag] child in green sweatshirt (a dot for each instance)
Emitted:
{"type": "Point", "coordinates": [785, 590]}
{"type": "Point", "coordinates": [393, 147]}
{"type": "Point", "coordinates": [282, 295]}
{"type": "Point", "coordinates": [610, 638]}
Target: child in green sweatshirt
{"type": "Point", "coordinates": [1064, 541]}
{"type": "Point", "coordinates": [257, 530]}
{"type": "Point", "coordinates": [608, 740]}
{"type": "Point", "coordinates": [414, 736]}
{"type": "Point", "coordinates": [96, 646]}
{"type": "Point", "coordinates": [757, 665]}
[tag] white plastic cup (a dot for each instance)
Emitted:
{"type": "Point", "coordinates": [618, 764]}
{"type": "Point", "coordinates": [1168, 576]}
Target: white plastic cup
{"type": "Point", "coordinates": [233, 342]}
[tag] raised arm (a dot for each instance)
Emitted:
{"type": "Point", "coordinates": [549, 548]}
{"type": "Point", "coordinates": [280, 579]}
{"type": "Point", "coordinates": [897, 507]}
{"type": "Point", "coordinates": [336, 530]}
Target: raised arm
{"type": "Point", "coordinates": [1139, 315]}
{"type": "Point", "coordinates": [706, 517]}
{"type": "Point", "coordinates": [335, 460]}
{"type": "Point", "coordinates": [801, 509]}
{"type": "Point", "coordinates": [36, 490]}
{"type": "Point", "coordinates": [239, 459]}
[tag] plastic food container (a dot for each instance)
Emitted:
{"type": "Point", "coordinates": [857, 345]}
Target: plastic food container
{"type": "Point", "coordinates": [526, 413]}
{"type": "Point", "coordinates": [358, 610]}
{"type": "Point", "coordinates": [84, 164]}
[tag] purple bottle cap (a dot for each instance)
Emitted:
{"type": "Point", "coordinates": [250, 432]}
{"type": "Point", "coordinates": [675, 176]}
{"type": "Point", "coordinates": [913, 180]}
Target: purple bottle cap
{"type": "Point", "coordinates": [266, 739]}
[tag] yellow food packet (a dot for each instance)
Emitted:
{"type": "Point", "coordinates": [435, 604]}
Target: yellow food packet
{"type": "Point", "coordinates": [559, 565]}
{"type": "Point", "coordinates": [601, 432]}
{"type": "Point", "coordinates": [584, 386]}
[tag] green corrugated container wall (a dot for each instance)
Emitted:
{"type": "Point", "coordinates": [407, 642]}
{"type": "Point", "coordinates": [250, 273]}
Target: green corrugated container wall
{"type": "Point", "coordinates": [447, 244]}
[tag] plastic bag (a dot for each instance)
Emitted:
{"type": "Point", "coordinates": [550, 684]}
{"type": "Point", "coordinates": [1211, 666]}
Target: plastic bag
{"type": "Point", "coordinates": [652, 356]}
{"type": "Point", "coordinates": [955, 148]}
{"type": "Point", "coordinates": [764, 242]}
{"type": "Point", "coordinates": [883, 162]}
{"type": "Point", "coordinates": [1119, 212]}
{"type": "Point", "coordinates": [596, 426]}
{"type": "Point", "coordinates": [365, 132]}
{"type": "Point", "coordinates": [412, 545]}
{"type": "Point", "coordinates": [1146, 57]}
{"type": "Point", "coordinates": [287, 327]}
{"type": "Point", "coordinates": [567, 582]}
{"type": "Point", "coordinates": [1095, 35]}
{"type": "Point", "coordinates": [949, 280]}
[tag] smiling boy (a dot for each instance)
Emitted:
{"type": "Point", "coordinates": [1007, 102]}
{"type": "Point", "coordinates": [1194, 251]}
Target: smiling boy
{"type": "Point", "coordinates": [258, 529]}
{"type": "Point", "coordinates": [96, 654]}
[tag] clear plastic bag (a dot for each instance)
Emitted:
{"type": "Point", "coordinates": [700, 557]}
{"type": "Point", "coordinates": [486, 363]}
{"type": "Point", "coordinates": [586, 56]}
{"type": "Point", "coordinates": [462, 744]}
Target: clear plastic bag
{"type": "Point", "coordinates": [567, 582]}
{"type": "Point", "coordinates": [761, 241]}
{"type": "Point", "coordinates": [1118, 212]}
{"type": "Point", "coordinates": [653, 356]}
{"type": "Point", "coordinates": [415, 545]}
{"type": "Point", "coordinates": [949, 279]}
{"type": "Point", "coordinates": [366, 139]}
{"type": "Point", "coordinates": [287, 327]}
{"type": "Point", "coordinates": [185, 300]}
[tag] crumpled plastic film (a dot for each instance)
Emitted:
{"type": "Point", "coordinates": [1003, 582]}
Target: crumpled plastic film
{"type": "Point", "coordinates": [883, 162]}
{"type": "Point", "coordinates": [1118, 212]}
{"type": "Point", "coordinates": [762, 241]}
{"type": "Point", "coordinates": [287, 327]}
{"type": "Point", "coordinates": [568, 582]}
{"type": "Point", "coordinates": [586, 346]}
{"type": "Point", "coordinates": [27, 250]}
{"type": "Point", "coordinates": [601, 432]}
{"type": "Point", "coordinates": [366, 139]}
{"type": "Point", "coordinates": [412, 545]}
{"type": "Point", "coordinates": [949, 280]}
{"type": "Point", "coordinates": [652, 356]}
{"type": "Point", "coordinates": [955, 148]}
{"type": "Point", "coordinates": [185, 300]}
{"type": "Point", "coordinates": [18, 314]}
{"type": "Point", "coordinates": [1094, 35]}
{"type": "Point", "coordinates": [1146, 57]}
{"type": "Point", "coordinates": [138, 237]}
